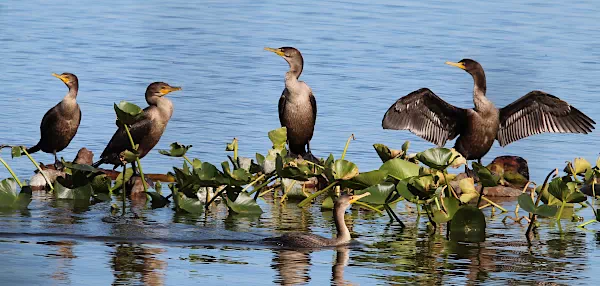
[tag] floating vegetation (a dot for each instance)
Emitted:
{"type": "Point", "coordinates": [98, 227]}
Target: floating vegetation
{"type": "Point", "coordinates": [421, 179]}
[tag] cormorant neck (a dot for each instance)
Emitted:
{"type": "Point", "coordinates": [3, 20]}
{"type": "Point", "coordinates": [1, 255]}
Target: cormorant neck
{"type": "Point", "coordinates": [296, 66]}
{"type": "Point", "coordinates": [72, 94]}
{"type": "Point", "coordinates": [479, 89]}
{"type": "Point", "coordinates": [343, 234]}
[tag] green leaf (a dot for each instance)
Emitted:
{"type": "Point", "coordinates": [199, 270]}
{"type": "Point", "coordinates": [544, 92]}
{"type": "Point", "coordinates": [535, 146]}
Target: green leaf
{"type": "Point", "coordinates": [15, 151]}
{"type": "Point", "coordinates": [244, 204]}
{"type": "Point", "coordinates": [526, 203]}
{"type": "Point", "coordinates": [370, 178]}
{"type": "Point", "coordinates": [400, 169]}
{"type": "Point", "coordinates": [436, 158]}
{"type": "Point", "coordinates": [405, 146]}
{"type": "Point", "coordinates": [293, 188]}
{"type": "Point", "coordinates": [576, 197]}
{"type": "Point", "coordinates": [129, 156]}
{"type": "Point", "coordinates": [486, 178]}
{"type": "Point", "coordinates": [402, 188]}
{"type": "Point", "coordinates": [467, 186]}
{"type": "Point", "coordinates": [83, 193]}
{"type": "Point", "coordinates": [546, 210]}
{"type": "Point", "coordinates": [81, 167]}
{"type": "Point", "coordinates": [385, 154]}
{"type": "Point", "coordinates": [101, 184]}
{"type": "Point", "coordinates": [451, 204]}
{"type": "Point", "coordinates": [344, 170]}
{"type": "Point", "coordinates": [468, 225]}
{"type": "Point", "coordinates": [177, 150]}
{"type": "Point", "coordinates": [128, 113]}
{"type": "Point", "coordinates": [579, 165]}
{"type": "Point", "coordinates": [232, 146]}
{"type": "Point", "coordinates": [119, 179]}
{"type": "Point", "coordinates": [190, 205]}
{"type": "Point", "coordinates": [327, 203]}
{"type": "Point", "coordinates": [157, 200]}
{"type": "Point", "coordinates": [558, 189]}
{"type": "Point", "coordinates": [379, 193]}
{"type": "Point", "coordinates": [278, 137]}
{"type": "Point", "coordinates": [8, 193]}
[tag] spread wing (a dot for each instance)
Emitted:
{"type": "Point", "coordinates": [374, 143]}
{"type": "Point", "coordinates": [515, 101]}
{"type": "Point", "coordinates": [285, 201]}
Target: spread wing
{"type": "Point", "coordinates": [539, 112]}
{"type": "Point", "coordinates": [426, 115]}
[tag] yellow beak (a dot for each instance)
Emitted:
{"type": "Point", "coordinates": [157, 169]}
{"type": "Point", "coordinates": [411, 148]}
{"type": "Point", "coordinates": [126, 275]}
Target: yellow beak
{"type": "Point", "coordinates": [63, 79]}
{"type": "Point", "coordinates": [458, 65]}
{"type": "Point", "coordinates": [358, 197]}
{"type": "Point", "coordinates": [277, 51]}
{"type": "Point", "coordinates": [168, 89]}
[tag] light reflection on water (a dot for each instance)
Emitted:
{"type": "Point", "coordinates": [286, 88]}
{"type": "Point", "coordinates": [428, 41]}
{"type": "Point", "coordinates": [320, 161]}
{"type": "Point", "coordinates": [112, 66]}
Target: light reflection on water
{"type": "Point", "coordinates": [360, 57]}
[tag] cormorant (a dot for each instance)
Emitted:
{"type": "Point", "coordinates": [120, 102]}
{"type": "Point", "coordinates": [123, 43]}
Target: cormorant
{"type": "Point", "coordinates": [60, 123]}
{"type": "Point", "coordinates": [147, 131]}
{"type": "Point", "coordinates": [297, 105]}
{"type": "Point", "coordinates": [309, 240]}
{"type": "Point", "coordinates": [431, 118]}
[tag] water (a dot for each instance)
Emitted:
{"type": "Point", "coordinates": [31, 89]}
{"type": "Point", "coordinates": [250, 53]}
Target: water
{"type": "Point", "coordinates": [359, 58]}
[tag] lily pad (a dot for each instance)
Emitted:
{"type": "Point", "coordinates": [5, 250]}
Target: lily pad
{"type": "Point", "coordinates": [278, 137]}
{"type": "Point", "coordinates": [486, 177]}
{"type": "Point", "coordinates": [379, 193]}
{"type": "Point", "coordinates": [468, 225]}
{"type": "Point", "coordinates": [402, 188]}
{"type": "Point", "coordinates": [384, 152]}
{"type": "Point", "coordinates": [467, 186]}
{"type": "Point", "coordinates": [16, 151]}
{"type": "Point", "coordinates": [344, 170]}
{"type": "Point", "coordinates": [10, 198]}
{"type": "Point", "coordinates": [177, 150]}
{"type": "Point", "coordinates": [101, 184]}
{"type": "Point", "coordinates": [119, 179]}
{"type": "Point", "coordinates": [400, 169]}
{"type": "Point", "coordinates": [436, 158]}
{"type": "Point", "coordinates": [327, 204]}
{"type": "Point", "coordinates": [190, 205]}
{"type": "Point", "coordinates": [244, 204]}
{"type": "Point", "coordinates": [370, 178]}
{"type": "Point", "coordinates": [128, 113]}
{"type": "Point", "coordinates": [451, 204]}
{"type": "Point", "coordinates": [157, 200]}
{"type": "Point", "coordinates": [83, 193]}
{"type": "Point", "coordinates": [565, 192]}
{"type": "Point", "coordinates": [579, 165]}
{"type": "Point", "coordinates": [528, 205]}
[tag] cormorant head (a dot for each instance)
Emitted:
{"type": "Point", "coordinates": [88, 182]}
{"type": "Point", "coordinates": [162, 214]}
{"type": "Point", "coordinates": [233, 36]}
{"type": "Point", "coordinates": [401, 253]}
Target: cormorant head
{"type": "Point", "coordinates": [474, 69]}
{"type": "Point", "coordinates": [69, 79]}
{"type": "Point", "coordinates": [160, 89]}
{"type": "Point", "coordinates": [291, 55]}
{"type": "Point", "coordinates": [344, 200]}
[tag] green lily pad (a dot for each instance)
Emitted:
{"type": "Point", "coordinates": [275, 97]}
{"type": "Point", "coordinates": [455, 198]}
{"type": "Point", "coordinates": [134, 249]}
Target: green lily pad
{"type": "Point", "coordinates": [177, 150]}
{"type": "Point", "coordinates": [344, 170]}
{"type": "Point", "coordinates": [327, 204]}
{"type": "Point", "coordinates": [244, 204]}
{"type": "Point", "coordinates": [83, 193]}
{"type": "Point", "coordinates": [579, 165]}
{"type": "Point", "coordinates": [101, 184]}
{"type": "Point", "coordinates": [436, 158]}
{"type": "Point", "coordinates": [402, 188]}
{"type": "Point", "coordinates": [157, 200]}
{"type": "Point", "coordinates": [128, 113]}
{"type": "Point", "coordinates": [190, 205]}
{"type": "Point", "coordinates": [278, 137]}
{"type": "Point", "coordinates": [468, 225]}
{"type": "Point", "coordinates": [384, 152]}
{"type": "Point", "coordinates": [452, 206]}
{"type": "Point", "coordinates": [400, 169]}
{"type": "Point", "coordinates": [129, 156]}
{"type": "Point", "coordinates": [467, 186]}
{"type": "Point", "coordinates": [119, 179]}
{"type": "Point", "coordinates": [486, 177]}
{"type": "Point", "coordinates": [565, 192]}
{"type": "Point", "coordinates": [370, 178]}
{"type": "Point", "coordinates": [16, 151]}
{"type": "Point", "coordinates": [10, 198]}
{"type": "Point", "coordinates": [379, 193]}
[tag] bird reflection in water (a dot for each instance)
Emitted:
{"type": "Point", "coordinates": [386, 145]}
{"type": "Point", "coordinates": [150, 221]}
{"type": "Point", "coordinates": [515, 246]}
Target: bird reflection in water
{"type": "Point", "coordinates": [293, 266]}
{"type": "Point", "coordinates": [133, 263]}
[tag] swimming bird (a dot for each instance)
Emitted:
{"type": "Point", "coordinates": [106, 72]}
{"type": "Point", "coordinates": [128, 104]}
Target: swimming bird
{"type": "Point", "coordinates": [309, 240]}
{"type": "Point", "coordinates": [433, 119]}
{"type": "Point", "coordinates": [297, 104]}
{"type": "Point", "coordinates": [60, 123]}
{"type": "Point", "coordinates": [147, 131]}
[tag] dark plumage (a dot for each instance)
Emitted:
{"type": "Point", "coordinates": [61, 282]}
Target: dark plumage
{"type": "Point", "coordinates": [59, 125]}
{"type": "Point", "coordinates": [145, 132]}
{"type": "Point", "coordinates": [309, 240]}
{"type": "Point", "coordinates": [431, 118]}
{"type": "Point", "coordinates": [297, 105]}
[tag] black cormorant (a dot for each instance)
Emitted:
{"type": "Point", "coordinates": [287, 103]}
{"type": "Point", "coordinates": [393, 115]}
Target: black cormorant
{"type": "Point", "coordinates": [431, 118]}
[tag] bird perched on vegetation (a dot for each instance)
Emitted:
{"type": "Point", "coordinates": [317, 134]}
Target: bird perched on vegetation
{"type": "Point", "coordinates": [309, 240]}
{"type": "Point", "coordinates": [147, 131]}
{"type": "Point", "coordinates": [431, 118]}
{"type": "Point", "coordinates": [297, 104]}
{"type": "Point", "coordinates": [60, 123]}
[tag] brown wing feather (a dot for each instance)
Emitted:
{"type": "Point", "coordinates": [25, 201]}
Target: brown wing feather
{"type": "Point", "coordinates": [426, 115]}
{"type": "Point", "coordinates": [538, 112]}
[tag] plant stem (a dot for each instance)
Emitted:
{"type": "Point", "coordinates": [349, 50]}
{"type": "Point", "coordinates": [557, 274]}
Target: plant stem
{"type": "Point", "coordinates": [253, 182]}
{"type": "Point", "coordinates": [188, 160]}
{"type": "Point", "coordinates": [347, 144]}
{"type": "Point", "coordinates": [494, 204]}
{"type": "Point", "coordinates": [562, 207]}
{"type": "Point", "coordinates": [449, 185]}
{"type": "Point", "coordinates": [268, 181]}
{"type": "Point", "coordinates": [368, 206]}
{"type": "Point", "coordinates": [124, 195]}
{"type": "Point", "coordinates": [38, 167]}
{"type": "Point", "coordinates": [284, 196]}
{"type": "Point", "coordinates": [586, 223]}
{"type": "Point", "coordinates": [537, 201]}
{"type": "Point", "coordinates": [137, 160]}
{"type": "Point", "coordinates": [316, 194]}
{"type": "Point", "coordinates": [393, 214]}
{"type": "Point", "coordinates": [219, 192]}
{"type": "Point", "coordinates": [314, 164]}
{"type": "Point", "coordinates": [11, 172]}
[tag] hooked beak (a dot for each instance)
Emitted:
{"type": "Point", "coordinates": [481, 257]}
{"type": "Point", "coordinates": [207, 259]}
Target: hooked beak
{"type": "Point", "coordinates": [62, 78]}
{"type": "Point", "coordinates": [458, 65]}
{"type": "Point", "coordinates": [277, 51]}
{"type": "Point", "coordinates": [168, 89]}
{"type": "Point", "coordinates": [358, 197]}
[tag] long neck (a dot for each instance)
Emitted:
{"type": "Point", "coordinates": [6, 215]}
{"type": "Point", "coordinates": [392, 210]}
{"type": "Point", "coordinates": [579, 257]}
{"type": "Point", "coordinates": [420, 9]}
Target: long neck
{"type": "Point", "coordinates": [479, 88]}
{"type": "Point", "coordinates": [343, 234]}
{"type": "Point", "coordinates": [296, 66]}
{"type": "Point", "coordinates": [72, 94]}
{"type": "Point", "coordinates": [164, 105]}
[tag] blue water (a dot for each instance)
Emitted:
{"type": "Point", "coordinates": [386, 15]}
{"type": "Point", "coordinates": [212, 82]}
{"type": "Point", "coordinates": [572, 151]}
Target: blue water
{"type": "Point", "coordinates": [359, 58]}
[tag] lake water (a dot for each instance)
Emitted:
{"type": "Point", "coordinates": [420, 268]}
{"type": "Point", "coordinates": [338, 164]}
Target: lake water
{"type": "Point", "coordinates": [359, 58]}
